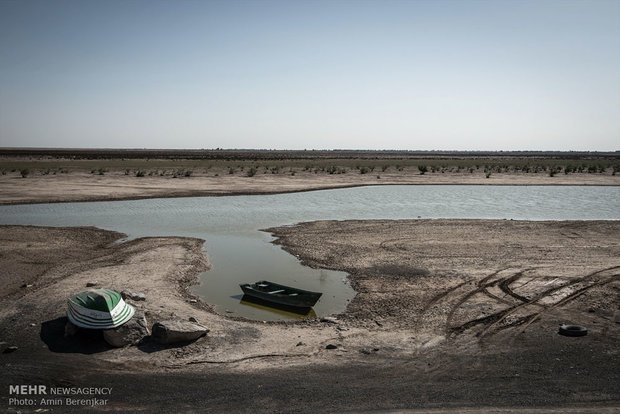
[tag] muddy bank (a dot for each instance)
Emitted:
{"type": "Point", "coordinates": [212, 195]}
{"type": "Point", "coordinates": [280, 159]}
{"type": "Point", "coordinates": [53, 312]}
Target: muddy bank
{"type": "Point", "coordinates": [459, 294]}
{"type": "Point", "coordinates": [449, 314]}
{"type": "Point", "coordinates": [83, 186]}
{"type": "Point", "coordinates": [406, 270]}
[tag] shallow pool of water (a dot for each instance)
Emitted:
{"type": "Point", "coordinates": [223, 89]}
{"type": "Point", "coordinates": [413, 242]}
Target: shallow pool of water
{"type": "Point", "coordinates": [240, 253]}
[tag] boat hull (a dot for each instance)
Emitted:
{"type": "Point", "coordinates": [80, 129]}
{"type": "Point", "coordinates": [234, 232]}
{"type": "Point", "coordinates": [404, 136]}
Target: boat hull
{"type": "Point", "coordinates": [281, 294]}
{"type": "Point", "coordinates": [98, 309]}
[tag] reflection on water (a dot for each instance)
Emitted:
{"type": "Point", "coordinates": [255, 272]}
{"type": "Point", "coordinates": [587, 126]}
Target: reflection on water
{"type": "Point", "coordinates": [282, 310]}
{"type": "Point", "coordinates": [240, 253]}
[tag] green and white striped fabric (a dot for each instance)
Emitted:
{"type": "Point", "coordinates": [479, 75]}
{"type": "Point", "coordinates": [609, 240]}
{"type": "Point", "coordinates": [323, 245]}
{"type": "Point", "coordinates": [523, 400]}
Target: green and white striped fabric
{"type": "Point", "coordinates": [98, 309]}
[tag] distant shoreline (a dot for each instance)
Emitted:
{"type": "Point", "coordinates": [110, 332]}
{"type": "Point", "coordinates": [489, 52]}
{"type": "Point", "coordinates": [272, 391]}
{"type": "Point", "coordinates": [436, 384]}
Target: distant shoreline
{"type": "Point", "coordinates": [52, 177]}
{"type": "Point", "coordinates": [277, 154]}
{"type": "Point", "coordinates": [83, 188]}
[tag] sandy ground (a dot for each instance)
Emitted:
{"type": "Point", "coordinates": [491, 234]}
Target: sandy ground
{"type": "Point", "coordinates": [450, 315]}
{"type": "Point", "coordinates": [82, 186]}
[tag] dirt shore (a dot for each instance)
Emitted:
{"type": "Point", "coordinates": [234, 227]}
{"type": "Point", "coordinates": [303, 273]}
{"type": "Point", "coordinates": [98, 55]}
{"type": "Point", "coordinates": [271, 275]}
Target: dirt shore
{"type": "Point", "coordinates": [84, 186]}
{"type": "Point", "coordinates": [449, 315]}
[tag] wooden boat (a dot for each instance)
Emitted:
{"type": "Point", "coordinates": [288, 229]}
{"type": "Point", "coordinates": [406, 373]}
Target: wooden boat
{"type": "Point", "coordinates": [280, 294]}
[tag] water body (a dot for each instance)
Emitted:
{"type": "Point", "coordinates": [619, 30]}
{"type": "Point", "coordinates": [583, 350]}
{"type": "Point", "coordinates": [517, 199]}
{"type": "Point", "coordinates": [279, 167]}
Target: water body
{"type": "Point", "coordinates": [240, 253]}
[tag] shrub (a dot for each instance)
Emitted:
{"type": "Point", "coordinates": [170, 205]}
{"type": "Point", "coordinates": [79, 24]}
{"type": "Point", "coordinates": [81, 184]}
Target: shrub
{"type": "Point", "coordinates": [24, 172]}
{"type": "Point", "coordinates": [363, 170]}
{"type": "Point", "coordinates": [251, 172]}
{"type": "Point", "coordinates": [188, 173]}
{"type": "Point", "coordinates": [332, 169]}
{"type": "Point", "coordinates": [139, 173]}
{"type": "Point", "coordinates": [423, 169]}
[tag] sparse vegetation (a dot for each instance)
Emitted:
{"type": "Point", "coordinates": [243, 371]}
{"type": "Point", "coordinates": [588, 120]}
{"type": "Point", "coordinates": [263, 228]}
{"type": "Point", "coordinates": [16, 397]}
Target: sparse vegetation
{"type": "Point", "coordinates": [171, 163]}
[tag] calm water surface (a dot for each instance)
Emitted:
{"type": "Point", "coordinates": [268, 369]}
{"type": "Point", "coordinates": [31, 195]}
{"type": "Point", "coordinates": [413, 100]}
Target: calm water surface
{"type": "Point", "coordinates": [240, 253]}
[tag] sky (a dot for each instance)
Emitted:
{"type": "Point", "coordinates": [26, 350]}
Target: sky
{"type": "Point", "coordinates": [405, 75]}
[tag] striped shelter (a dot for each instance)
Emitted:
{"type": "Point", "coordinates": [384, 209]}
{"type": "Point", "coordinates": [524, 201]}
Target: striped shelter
{"type": "Point", "coordinates": [98, 309]}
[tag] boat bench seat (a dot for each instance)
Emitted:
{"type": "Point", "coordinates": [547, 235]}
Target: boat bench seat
{"type": "Point", "coordinates": [276, 291]}
{"type": "Point", "coordinates": [293, 294]}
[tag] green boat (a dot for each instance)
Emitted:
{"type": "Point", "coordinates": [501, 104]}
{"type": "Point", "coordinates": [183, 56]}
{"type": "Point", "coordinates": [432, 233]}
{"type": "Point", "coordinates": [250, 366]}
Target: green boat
{"type": "Point", "coordinates": [98, 309]}
{"type": "Point", "coordinates": [281, 294]}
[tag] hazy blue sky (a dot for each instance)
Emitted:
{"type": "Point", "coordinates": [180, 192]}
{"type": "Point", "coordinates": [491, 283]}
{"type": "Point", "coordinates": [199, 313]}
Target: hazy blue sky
{"type": "Point", "coordinates": [311, 74]}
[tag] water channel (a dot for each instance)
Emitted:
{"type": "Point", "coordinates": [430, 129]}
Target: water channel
{"type": "Point", "coordinates": [239, 252]}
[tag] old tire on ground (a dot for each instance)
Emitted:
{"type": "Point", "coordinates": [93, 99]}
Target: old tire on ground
{"type": "Point", "coordinates": [573, 330]}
